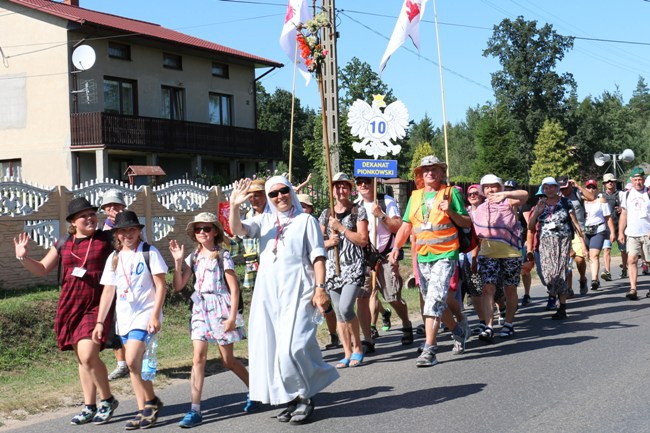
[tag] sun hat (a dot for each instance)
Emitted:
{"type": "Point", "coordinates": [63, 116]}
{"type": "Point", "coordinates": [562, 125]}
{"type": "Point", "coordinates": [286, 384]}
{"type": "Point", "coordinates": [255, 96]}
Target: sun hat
{"type": "Point", "coordinates": [540, 191]}
{"type": "Point", "coordinates": [305, 199]}
{"type": "Point", "coordinates": [548, 181]}
{"type": "Point", "coordinates": [77, 205]}
{"type": "Point", "coordinates": [112, 196]}
{"type": "Point", "coordinates": [475, 186]}
{"type": "Point", "coordinates": [126, 219]}
{"type": "Point", "coordinates": [342, 177]}
{"type": "Point", "coordinates": [510, 184]}
{"type": "Point", "coordinates": [430, 161]}
{"type": "Point", "coordinates": [203, 217]}
{"type": "Point", "coordinates": [256, 185]}
{"type": "Point", "coordinates": [591, 182]}
{"type": "Point", "coordinates": [637, 171]}
{"type": "Point", "coordinates": [490, 179]}
{"type": "Point", "coordinates": [609, 177]}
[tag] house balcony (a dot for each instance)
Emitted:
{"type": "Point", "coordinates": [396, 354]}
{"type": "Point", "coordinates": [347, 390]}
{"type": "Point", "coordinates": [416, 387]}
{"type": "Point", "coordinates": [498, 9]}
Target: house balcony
{"type": "Point", "coordinates": [153, 135]}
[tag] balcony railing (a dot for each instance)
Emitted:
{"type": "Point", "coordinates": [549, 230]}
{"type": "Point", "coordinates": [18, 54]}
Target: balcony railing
{"type": "Point", "coordinates": [148, 134]}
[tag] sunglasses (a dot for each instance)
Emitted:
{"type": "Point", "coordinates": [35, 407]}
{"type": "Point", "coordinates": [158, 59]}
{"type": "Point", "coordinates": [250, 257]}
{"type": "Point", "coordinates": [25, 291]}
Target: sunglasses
{"type": "Point", "coordinates": [284, 191]}
{"type": "Point", "coordinates": [471, 194]}
{"type": "Point", "coordinates": [609, 181]}
{"type": "Point", "coordinates": [205, 229]}
{"type": "Point", "coordinates": [591, 187]}
{"type": "Point", "coordinates": [364, 181]}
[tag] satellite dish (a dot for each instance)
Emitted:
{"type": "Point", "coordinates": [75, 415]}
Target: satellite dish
{"type": "Point", "coordinates": [601, 158]}
{"type": "Point", "coordinates": [83, 57]}
{"type": "Point", "coordinates": [627, 155]}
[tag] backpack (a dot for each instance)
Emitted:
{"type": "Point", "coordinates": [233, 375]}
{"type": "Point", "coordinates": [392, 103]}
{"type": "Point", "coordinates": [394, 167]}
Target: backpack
{"type": "Point", "coordinates": [193, 279]}
{"type": "Point", "coordinates": [466, 235]}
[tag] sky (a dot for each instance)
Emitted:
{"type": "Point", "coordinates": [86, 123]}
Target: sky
{"type": "Point", "coordinates": [464, 25]}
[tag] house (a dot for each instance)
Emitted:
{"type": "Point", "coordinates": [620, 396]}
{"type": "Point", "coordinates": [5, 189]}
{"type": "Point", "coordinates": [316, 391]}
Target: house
{"type": "Point", "coordinates": [153, 96]}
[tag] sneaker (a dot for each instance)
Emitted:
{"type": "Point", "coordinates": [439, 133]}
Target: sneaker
{"type": "Point", "coordinates": [120, 371]}
{"type": "Point", "coordinates": [551, 304]}
{"type": "Point", "coordinates": [624, 273]}
{"type": "Point", "coordinates": [583, 287]}
{"type": "Point", "coordinates": [606, 276]}
{"type": "Point", "coordinates": [84, 417]}
{"type": "Point", "coordinates": [191, 419]}
{"type": "Point", "coordinates": [105, 411]}
{"type": "Point", "coordinates": [525, 300]}
{"type": "Point", "coordinates": [459, 343]}
{"type": "Point", "coordinates": [631, 295]}
{"type": "Point", "coordinates": [595, 285]}
{"type": "Point", "coordinates": [385, 320]}
{"type": "Point", "coordinates": [374, 334]}
{"type": "Point", "coordinates": [560, 314]}
{"type": "Point", "coordinates": [644, 269]}
{"type": "Point", "coordinates": [426, 359]}
{"type": "Point", "coordinates": [251, 405]}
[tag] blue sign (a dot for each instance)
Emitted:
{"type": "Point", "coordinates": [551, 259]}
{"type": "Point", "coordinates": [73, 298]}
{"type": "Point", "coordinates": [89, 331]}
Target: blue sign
{"type": "Point", "coordinates": [385, 168]}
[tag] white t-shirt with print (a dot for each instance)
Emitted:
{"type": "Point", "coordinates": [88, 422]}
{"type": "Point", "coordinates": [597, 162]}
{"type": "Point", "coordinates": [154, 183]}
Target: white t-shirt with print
{"type": "Point", "coordinates": [637, 205]}
{"type": "Point", "coordinates": [134, 287]}
{"type": "Point", "coordinates": [383, 234]}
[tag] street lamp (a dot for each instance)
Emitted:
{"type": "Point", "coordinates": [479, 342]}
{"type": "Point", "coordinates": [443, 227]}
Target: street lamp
{"type": "Point", "coordinates": [601, 158]}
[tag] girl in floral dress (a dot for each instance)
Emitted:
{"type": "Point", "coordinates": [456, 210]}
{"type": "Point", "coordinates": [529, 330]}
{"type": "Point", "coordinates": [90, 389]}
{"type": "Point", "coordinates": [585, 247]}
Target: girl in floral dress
{"type": "Point", "coordinates": [215, 316]}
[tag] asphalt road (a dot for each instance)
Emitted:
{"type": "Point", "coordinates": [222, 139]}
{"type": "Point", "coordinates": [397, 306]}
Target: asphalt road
{"type": "Point", "coordinates": [589, 373]}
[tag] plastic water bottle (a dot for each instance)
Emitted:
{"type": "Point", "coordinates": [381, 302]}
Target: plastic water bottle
{"type": "Point", "coordinates": [149, 361]}
{"type": "Point", "coordinates": [317, 317]}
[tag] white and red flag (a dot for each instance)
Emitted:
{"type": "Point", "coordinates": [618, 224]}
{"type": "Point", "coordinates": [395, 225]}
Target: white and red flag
{"type": "Point", "coordinates": [408, 24]}
{"type": "Point", "coordinates": [297, 13]}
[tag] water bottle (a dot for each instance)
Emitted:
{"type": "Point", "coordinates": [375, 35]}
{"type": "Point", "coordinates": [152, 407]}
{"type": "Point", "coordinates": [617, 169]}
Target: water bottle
{"type": "Point", "coordinates": [317, 317]}
{"type": "Point", "coordinates": [149, 361]}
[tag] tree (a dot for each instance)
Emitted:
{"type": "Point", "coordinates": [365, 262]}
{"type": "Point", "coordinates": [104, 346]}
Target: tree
{"type": "Point", "coordinates": [551, 156]}
{"type": "Point", "coordinates": [528, 84]}
{"type": "Point", "coordinates": [421, 150]}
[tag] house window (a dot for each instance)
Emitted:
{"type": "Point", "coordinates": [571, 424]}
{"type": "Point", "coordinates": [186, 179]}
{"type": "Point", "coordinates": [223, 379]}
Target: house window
{"type": "Point", "coordinates": [120, 96]}
{"type": "Point", "coordinates": [220, 109]}
{"type": "Point", "coordinates": [119, 51]}
{"type": "Point", "coordinates": [173, 105]}
{"type": "Point", "coordinates": [172, 61]}
{"type": "Point", "coordinates": [10, 168]}
{"type": "Point", "coordinates": [220, 70]}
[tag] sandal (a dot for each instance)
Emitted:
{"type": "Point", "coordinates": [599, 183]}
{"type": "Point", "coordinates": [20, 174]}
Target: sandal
{"type": "Point", "coordinates": [303, 411]}
{"type": "Point", "coordinates": [134, 424]}
{"type": "Point", "coordinates": [407, 336]}
{"type": "Point", "coordinates": [487, 335]}
{"type": "Point", "coordinates": [507, 331]}
{"type": "Point", "coordinates": [285, 415]}
{"type": "Point", "coordinates": [368, 347]}
{"type": "Point", "coordinates": [344, 363]}
{"type": "Point", "coordinates": [150, 412]}
{"type": "Point", "coordinates": [357, 358]}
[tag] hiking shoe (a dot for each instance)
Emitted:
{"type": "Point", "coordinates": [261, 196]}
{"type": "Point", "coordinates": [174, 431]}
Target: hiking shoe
{"type": "Point", "coordinates": [525, 300]}
{"type": "Point", "coordinates": [459, 343]}
{"type": "Point", "coordinates": [426, 359]}
{"type": "Point", "coordinates": [251, 405]}
{"type": "Point", "coordinates": [551, 304]}
{"type": "Point", "coordinates": [624, 273]}
{"type": "Point", "coordinates": [560, 314]}
{"type": "Point", "coordinates": [385, 320]}
{"type": "Point", "coordinates": [595, 285]}
{"type": "Point", "coordinates": [105, 411]}
{"type": "Point", "coordinates": [374, 334]}
{"type": "Point", "coordinates": [631, 295]}
{"type": "Point", "coordinates": [120, 371]}
{"type": "Point", "coordinates": [583, 287]}
{"type": "Point", "coordinates": [191, 419]}
{"type": "Point", "coordinates": [84, 417]}
{"type": "Point", "coordinates": [606, 276]}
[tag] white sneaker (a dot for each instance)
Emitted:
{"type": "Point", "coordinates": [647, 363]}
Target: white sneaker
{"type": "Point", "coordinates": [120, 371]}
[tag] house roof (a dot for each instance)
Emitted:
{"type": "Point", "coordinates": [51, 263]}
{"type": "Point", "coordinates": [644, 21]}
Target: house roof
{"type": "Point", "coordinates": [144, 170]}
{"type": "Point", "coordinates": [142, 28]}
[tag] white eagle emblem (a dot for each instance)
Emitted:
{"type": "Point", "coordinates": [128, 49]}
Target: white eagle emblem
{"type": "Point", "coordinates": [378, 128]}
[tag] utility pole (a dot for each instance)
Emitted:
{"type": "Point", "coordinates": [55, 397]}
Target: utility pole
{"type": "Point", "coordinates": [330, 84]}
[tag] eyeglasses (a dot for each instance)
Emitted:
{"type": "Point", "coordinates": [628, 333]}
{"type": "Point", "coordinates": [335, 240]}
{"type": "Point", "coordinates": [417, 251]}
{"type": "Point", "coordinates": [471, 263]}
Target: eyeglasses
{"type": "Point", "coordinates": [284, 191]}
{"type": "Point", "coordinates": [205, 229]}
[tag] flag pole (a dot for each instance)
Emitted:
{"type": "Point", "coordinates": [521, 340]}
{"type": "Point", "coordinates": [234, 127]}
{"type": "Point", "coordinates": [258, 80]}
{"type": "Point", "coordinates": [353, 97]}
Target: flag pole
{"type": "Point", "coordinates": [442, 89]}
{"type": "Point", "coordinates": [293, 107]}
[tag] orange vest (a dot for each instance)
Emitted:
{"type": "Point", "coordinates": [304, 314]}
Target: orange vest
{"type": "Point", "coordinates": [439, 235]}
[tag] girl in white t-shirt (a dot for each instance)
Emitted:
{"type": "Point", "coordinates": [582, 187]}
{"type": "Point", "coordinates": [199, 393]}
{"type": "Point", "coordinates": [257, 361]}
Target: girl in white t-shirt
{"type": "Point", "coordinates": [138, 289]}
{"type": "Point", "coordinates": [215, 315]}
